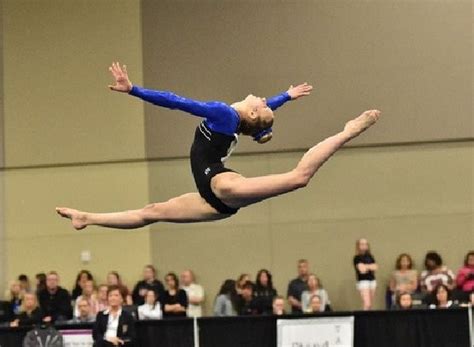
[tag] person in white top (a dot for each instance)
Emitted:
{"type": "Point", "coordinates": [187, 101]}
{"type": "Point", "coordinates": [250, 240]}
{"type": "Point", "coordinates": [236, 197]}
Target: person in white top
{"type": "Point", "coordinates": [151, 309]}
{"type": "Point", "coordinates": [195, 293]}
{"type": "Point", "coordinates": [314, 288]}
{"type": "Point", "coordinates": [88, 295]}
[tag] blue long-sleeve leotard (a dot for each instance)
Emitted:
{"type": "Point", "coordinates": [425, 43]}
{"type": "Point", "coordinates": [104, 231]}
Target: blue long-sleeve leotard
{"type": "Point", "coordinates": [219, 116]}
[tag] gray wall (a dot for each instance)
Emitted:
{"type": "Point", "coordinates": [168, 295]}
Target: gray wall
{"type": "Point", "coordinates": [411, 59]}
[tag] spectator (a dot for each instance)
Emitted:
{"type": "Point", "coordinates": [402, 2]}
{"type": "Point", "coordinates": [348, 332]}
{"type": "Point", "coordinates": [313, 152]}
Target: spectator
{"type": "Point", "coordinates": [40, 281]}
{"type": "Point", "coordinates": [114, 279]}
{"type": "Point", "coordinates": [278, 306]}
{"type": "Point", "coordinates": [89, 296]}
{"type": "Point", "coordinates": [243, 278]}
{"type": "Point", "coordinates": [315, 288]}
{"type": "Point", "coordinates": [365, 267]}
{"type": "Point", "coordinates": [226, 300]}
{"type": "Point", "coordinates": [14, 296]}
{"type": "Point", "coordinates": [297, 286]}
{"type": "Point", "coordinates": [404, 301]}
{"type": "Point", "coordinates": [435, 273]}
{"type": "Point", "coordinates": [84, 312]}
{"type": "Point", "coordinates": [175, 300]}
{"type": "Point", "coordinates": [55, 302]}
{"type": "Point", "coordinates": [195, 293]}
{"type": "Point", "coordinates": [102, 297]}
{"type": "Point", "coordinates": [465, 277]}
{"type": "Point", "coordinates": [442, 297]}
{"type": "Point", "coordinates": [30, 313]}
{"type": "Point", "coordinates": [149, 282]}
{"type": "Point", "coordinates": [404, 278]}
{"type": "Point", "coordinates": [24, 283]}
{"type": "Point", "coordinates": [114, 326]}
{"type": "Point", "coordinates": [264, 292]}
{"type": "Point", "coordinates": [82, 277]}
{"type": "Point", "coordinates": [315, 304]}
{"type": "Point", "coordinates": [151, 309]}
{"type": "Point", "coordinates": [247, 304]}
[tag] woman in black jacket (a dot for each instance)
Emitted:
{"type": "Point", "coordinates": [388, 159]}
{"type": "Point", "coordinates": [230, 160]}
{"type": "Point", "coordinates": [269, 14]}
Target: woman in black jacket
{"type": "Point", "coordinates": [30, 312]}
{"type": "Point", "coordinates": [264, 292]}
{"type": "Point", "coordinates": [114, 326]}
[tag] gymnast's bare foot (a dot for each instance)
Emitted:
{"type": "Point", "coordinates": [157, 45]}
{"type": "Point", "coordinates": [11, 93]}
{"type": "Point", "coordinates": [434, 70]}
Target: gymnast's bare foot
{"type": "Point", "coordinates": [78, 218]}
{"type": "Point", "coordinates": [358, 125]}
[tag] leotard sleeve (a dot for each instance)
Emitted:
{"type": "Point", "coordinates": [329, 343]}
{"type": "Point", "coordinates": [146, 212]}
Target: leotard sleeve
{"type": "Point", "coordinates": [219, 116]}
{"type": "Point", "coordinates": [278, 100]}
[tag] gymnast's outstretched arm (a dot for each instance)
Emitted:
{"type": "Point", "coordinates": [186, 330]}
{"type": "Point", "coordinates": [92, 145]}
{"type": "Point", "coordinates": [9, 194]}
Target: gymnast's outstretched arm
{"type": "Point", "coordinates": [292, 93]}
{"type": "Point", "coordinates": [212, 110]}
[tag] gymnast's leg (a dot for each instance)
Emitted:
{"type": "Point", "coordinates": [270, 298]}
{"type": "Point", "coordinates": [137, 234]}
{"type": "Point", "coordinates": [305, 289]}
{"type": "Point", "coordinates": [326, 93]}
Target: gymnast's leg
{"type": "Point", "coordinates": [237, 191]}
{"type": "Point", "coordinates": [187, 208]}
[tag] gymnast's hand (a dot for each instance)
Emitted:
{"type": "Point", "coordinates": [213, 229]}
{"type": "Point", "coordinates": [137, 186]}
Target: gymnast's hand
{"type": "Point", "coordinates": [122, 82]}
{"type": "Point", "coordinates": [299, 91]}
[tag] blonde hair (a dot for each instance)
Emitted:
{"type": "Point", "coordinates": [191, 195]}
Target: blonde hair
{"type": "Point", "coordinates": [357, 247]}
{"type": "Point", "coordinates": [23, 302]}
{"type": "Point", "coordinates": [8, 293]}
{"type": "Point", "coordinates": [258, 125]}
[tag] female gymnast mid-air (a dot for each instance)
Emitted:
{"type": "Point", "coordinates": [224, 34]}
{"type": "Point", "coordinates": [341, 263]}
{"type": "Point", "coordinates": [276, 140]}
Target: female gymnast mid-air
{"type": "Point", "coordinates": [221, 191]}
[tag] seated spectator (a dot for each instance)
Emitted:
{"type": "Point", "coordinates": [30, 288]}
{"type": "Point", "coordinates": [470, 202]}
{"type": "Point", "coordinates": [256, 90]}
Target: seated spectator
{"type": "Point", "coordinates": [465, 277]}
{"type": "Point", "coordinates": [24, 283]}
{"type": "Point", "coordinates": [404, 278]}
{"type": "Point", "coordinates": [278, 306]}
{"type": "Point", "coordinates": [30, 313]}
{"type": "Point", "coordinates": [84, 312]}
{"type": "Point", "coordinates": [404, 301]}
{"type": "Point", "coordinates": [55, 302]}
{"type": "Point", "coordinates": [102, 297]}
{"type": "Point", "coordinates": [246, 304]}
{"type": "Point", "coordinates": [14, 296]}
{"type": "Point", "coordinates": [264, 292]}
{"type": "Point", "coordinates": [435, 273]}
{"type": "Point", "coordinates": [88, 294]}
{"type": "Point", "coordinates": [40, 282]}
{"type": "Point", "coordinates": [114, 326]}
{"type": "Point", "coordinates": [315, 288]}
{"type": "Point", "coordinates": [239, 285]}
{"type": "Point", "coordinates": [442, 297]}
{"type": "Point", "coordinates": [82, 277]}
{"type": "Point", "coordinates": [195, 293]}
{"type": "Point", "coordinates": [151, 309]}
{"type": "Point", "coordinates": [114, 279]}
{"type": "Point", "coordinates": [149, 282]}
{"type": "Point", "coordinates": [315, 304]}
{"type": "Point", "coordinates": [175, 300]}
{"type": "Point", "coordinates": [297, 286]}
{"type": "Point", "coordinates": [225, 304]}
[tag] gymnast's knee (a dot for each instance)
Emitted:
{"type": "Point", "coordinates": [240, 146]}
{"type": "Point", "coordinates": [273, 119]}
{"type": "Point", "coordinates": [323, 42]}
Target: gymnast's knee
{"type": "Point", "coordinates": [151, 213]}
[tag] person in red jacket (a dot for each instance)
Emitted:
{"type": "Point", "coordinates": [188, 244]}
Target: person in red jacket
{"type": "Point", "coordinates": [465, 277]}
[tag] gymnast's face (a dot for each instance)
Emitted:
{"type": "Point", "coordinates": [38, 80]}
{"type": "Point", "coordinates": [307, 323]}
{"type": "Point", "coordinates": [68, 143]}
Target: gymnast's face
{"type": "Point", "coordinates": [259, 110]}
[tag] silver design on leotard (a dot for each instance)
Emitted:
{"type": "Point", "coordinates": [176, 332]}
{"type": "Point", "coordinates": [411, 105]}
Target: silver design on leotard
{"type": "Point", "coordinates": [231, 149]}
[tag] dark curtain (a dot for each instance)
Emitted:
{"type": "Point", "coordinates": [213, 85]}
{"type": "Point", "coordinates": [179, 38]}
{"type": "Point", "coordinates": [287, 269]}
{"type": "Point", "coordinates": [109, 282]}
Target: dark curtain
{"type": "Point", "coordinates": [165, 333]}
{"type": "Point", "coordinates": [237, 331]}
{"type": "Point", "coordinates": [417, 328]}
{"type": "Point", "coordinates": [420, 328]}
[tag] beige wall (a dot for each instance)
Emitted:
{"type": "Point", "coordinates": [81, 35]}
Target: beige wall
{"type": "Point", "coordinates": [2, 202]}
{"type": "Point", "coordinates": [402, 198]}
{"type": "Point", "coordinates": [38, 240]}
{"type": "Point", "coordinates": [57, 105]}
{"type": "Point", "coordinates": [59, 118]}
{"type": "Point", "coordinates": [57, 110]}
{"type": "Point", "coordinates": [411, 59]}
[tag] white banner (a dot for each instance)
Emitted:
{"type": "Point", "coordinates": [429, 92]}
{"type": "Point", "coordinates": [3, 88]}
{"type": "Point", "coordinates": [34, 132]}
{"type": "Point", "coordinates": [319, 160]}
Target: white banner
{"type": "Point", "coordinates": [316, 332]}
{"type": "Point", "coordinates": [77, 338]}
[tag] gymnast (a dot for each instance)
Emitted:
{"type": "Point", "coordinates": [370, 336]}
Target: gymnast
{"type": "Point", "coordinates": [221, 191]}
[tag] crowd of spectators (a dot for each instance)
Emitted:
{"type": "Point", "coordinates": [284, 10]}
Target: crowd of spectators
{"type": "Point", "coordinates": [47, 301]}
